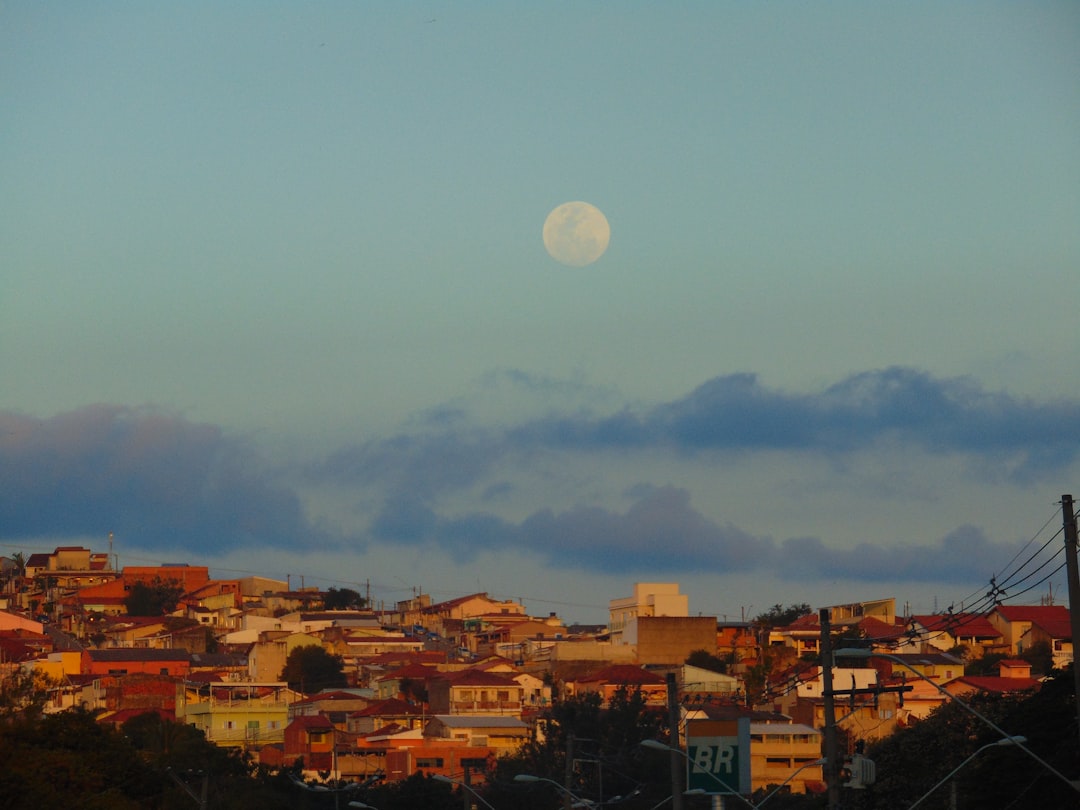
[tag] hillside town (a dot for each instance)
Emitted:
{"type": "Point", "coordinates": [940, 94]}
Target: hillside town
{"type": "Point", "coordinates": [446, 688]}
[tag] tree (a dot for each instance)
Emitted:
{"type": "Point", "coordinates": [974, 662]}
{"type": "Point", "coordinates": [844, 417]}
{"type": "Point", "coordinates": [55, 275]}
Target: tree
{"type": "Point", "coordinates": [23, 693]}
{"type": "Point", "coordinates": [707, 660]}
{"type": "Point", "coordinates": [780, 616]}
{"type": "Point", "coordinates": [912, 760]}
{"type": "Point", "coordinates": [606, 744]}
{"type": "Point", "coordinates": [312, 669]}
{"type": "Point", "coordinates": [343, 599]}
{"type": "Point", "coordinates": [156, 599]}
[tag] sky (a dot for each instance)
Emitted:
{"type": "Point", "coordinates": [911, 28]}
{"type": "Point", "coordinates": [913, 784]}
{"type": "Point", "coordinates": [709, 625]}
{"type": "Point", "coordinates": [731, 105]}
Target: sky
{"type": "Point", "coordinates": [275, 297]}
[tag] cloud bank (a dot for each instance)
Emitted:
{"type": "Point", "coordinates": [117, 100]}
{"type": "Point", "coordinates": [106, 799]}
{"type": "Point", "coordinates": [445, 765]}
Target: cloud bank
{"type": "Point", "coordinates": [145, 474]}
{"type": "Point", "coordinates": [165, 482]}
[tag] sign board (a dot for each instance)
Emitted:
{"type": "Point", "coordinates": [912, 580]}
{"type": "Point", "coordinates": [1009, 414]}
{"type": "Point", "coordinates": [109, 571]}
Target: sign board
{"type": "Point", "coordinates": [718, 756]}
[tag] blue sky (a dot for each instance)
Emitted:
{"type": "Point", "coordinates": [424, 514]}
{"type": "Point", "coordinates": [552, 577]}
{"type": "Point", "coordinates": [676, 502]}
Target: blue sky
{"type": "Point", "coordinates": [275, 296]}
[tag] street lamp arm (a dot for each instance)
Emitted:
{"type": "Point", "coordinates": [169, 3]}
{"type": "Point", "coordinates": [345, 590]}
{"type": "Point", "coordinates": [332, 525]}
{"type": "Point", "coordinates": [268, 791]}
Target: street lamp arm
{"type": "Point", "coordinates": [795, 773]}
{"type": "Point", "coordinates": [438, 777]}
{"type": "Point", "coordinates": [859, 652]}
{"type": "Point", "coordinates": [1007, 741]}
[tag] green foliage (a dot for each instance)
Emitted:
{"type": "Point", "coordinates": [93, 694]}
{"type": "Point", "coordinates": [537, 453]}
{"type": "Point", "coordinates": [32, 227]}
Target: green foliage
{"type": "Point", "coordinates": [606, 744]}
{"type": "Point", "coordinates": [343, 599]}
{"type": "Point", "coordinates": [987, 665]}
{"type": "Point", "coordinates": [156, 599]}
{"type": "Point", "coordinates": [1041, 658]}
{"type": "Point", "coordinates": [912, 760]}
{"type": "Point", "coordinates": [707, 660]}
{"type": "Point", "coordinates": [780, 616]}
{"type": "Point", "coordinates": [23, 693]}
{"type": "Point", "coordinates": [312, 669]}
{"type": "Point", "coordinates": [69, 760]}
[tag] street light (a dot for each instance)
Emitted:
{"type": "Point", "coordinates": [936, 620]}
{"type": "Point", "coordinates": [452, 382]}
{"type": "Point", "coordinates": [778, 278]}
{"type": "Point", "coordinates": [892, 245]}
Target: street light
{"type": "Point", "coordinates": [859, 652]}
{"type": "Point", "coordinates": [794, 773]}
{"type": "Point", "coordinates": [656, 745]}
{"type": "Point", "coordinates": [438, 777]}
{"type": "Point", "coordinates": [691, 792]}
{"type": "Point", "coordinates": [578, 801]}
{"type": "Point", "coordinates": [1018, 740]}
{"type": "Point", "coordinates": [362, 806]}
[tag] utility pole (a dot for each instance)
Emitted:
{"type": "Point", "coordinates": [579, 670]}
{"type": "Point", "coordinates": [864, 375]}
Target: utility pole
{"type": "Point", "coordinates": [674, 713]}
{"type": "Point", "coordinates": [1068, 513]}
{"type": "Point", "coordinates": [832, 759]}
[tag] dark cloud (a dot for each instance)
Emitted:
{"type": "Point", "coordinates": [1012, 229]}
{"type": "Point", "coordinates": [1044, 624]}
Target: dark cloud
{"type": "Point", "coordinates": [414, 465]}
{"type": "Point", "coordinates": [964, 555]}
{"type": "Point", "coordinates": [1004, 437]}
{"type": "Point", "coordinates": [152, 477]}
{"type": "Point", "coordinates": [661, 533]}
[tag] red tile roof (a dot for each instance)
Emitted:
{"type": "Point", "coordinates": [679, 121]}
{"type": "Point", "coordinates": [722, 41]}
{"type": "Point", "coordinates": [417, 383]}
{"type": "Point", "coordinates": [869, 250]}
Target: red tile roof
{"type": "Point", "coordinates": [990, 683]}
{"type": "Point", "coordinates": [623, 674]}
{"type": "Point", "coordinates": [1032, 613]}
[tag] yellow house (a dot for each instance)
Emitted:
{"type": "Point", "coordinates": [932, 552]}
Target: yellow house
{"type": "Point", "coordinates": [56, 666]}
{"type": "Point", "coordinates": [238, 714]}
{"type": "Point", "coordinates": [779, 750]}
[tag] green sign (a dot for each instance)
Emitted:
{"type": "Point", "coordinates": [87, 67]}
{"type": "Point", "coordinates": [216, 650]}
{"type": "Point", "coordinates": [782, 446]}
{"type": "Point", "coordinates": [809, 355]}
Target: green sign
{"type": "Point", "coordinates": [719, 763]}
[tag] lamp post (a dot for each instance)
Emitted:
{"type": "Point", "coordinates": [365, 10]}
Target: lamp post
{"type": "Point", "coordinates": [1018, 740]}
{"type": "Point", "coordinates": [438, 777]}
{"type": "Point", "coordinates": [362, 806]}
{"type": "Point", "coordinates": [656, 745]}
{"type": "Point", "coordinates": [794, 773]}
{"type": "Point", "coordinates": [577, 800]}
{"type": "Point", "coordinates": [858, 652]}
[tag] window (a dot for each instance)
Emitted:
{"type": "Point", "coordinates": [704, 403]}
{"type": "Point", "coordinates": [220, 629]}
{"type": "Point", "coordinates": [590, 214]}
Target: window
{"type": "Point", "coordinates": [502, 695]}
{"type": "Point", "coordinates": [429, 762]}
{"type": "Point", "coordinates": [474, 763]}
{"type": "Point", "coordinates": [229, 725]}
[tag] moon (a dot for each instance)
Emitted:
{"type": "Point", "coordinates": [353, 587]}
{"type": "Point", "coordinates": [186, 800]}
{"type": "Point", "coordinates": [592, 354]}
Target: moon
{"type": "Point", "coordinates": [576, 233]}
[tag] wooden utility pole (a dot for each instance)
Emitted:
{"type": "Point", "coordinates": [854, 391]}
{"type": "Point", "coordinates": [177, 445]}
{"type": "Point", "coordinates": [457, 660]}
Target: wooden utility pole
{"type": "Point", "coordinates": [832, 758]}
{"type": "Point", "coordinates": [1068, 513]}
{"type": "Point", "coordinates": [677, 761]}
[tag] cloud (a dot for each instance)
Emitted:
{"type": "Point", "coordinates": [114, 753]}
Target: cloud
{"type": "Point", "coordinates": [150, 476]}
{"type": "Point", "coordinates": [661, 533]}
{"type": "Point", "coordinates": [964, 555]}
{"type": "Point", "coordinates": [1025, 440]}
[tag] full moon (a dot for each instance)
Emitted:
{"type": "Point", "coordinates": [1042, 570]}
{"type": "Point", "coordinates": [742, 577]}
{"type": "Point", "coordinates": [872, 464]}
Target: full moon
{"type": "Point", "coordinates": [576, 234]}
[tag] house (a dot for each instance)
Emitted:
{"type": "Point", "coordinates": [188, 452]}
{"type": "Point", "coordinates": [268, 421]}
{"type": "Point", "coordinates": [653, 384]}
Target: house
{"type": "Point", "coordinates": [474, 692]}
{"type": "Point", "coordinates": [947, 631]}
{"type": "Point", "coordinates": [335, 705]}
{"type": "Point", "coordinates": [669, 640]}
{"type": "Point", "coordinates": [737, 640]}
{"type": "Point", "coordinates": [1014, 675]}
{"type": "Point", "coordinates": [503, 734]}
{"type": "Point", "coordinates": [122, 661]}
{"type": "Point", "coordinates": [1015, 623]}
{"type": "Point", "coordinates": [696, 682]}
{"type": "Point", "coordinates": [1055, 632]}
{"type": "Point", "coordinates": [609, 680]}
{"type": "Point", "coordinates": [410, 681]}
{"type": "Point", "coordinates": [266, 659]}
{"type": "Point", "coordinates": [781, 751]}
{"type": "Point", "coordinates": [385, 713]}
{"type": "Point", "coordinates": [648, 599]}
{"type": "Point", "coordinates": [311, 739]}
{"type": "Point", "coordinates": [237, 714]}
{"type": "Point", "coordinates": [453, 759]}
